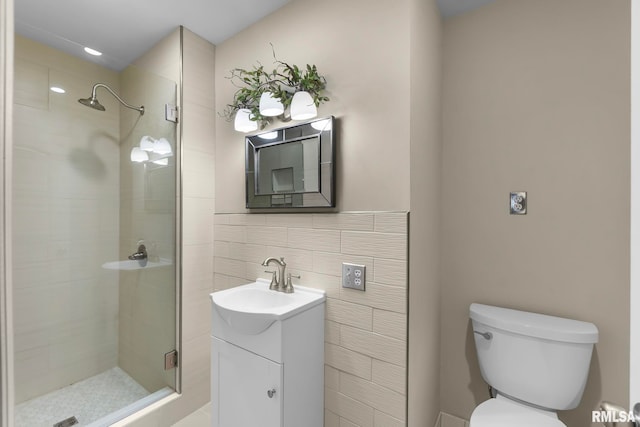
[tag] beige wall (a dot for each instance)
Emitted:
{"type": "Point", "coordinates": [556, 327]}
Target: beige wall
{"type": "Point", "coordinates": [426, 181]}
{"type": "Point", "coordinates": [536, 99]}
{"type": "Point", "coordinates": [383, 80]}
{"type": "Point", "coordinates": [365, 348]}
{"type": "Point", "coordinates": [65, 202]}
{"type": "Point", "coordinates": [365, 61]}
{"type": "Point", "coordinates": [199, 127]}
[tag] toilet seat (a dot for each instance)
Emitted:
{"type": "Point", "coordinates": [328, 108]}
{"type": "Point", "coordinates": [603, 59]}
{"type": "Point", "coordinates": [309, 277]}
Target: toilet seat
{"type": "Point", "coordinates": [504, 412]}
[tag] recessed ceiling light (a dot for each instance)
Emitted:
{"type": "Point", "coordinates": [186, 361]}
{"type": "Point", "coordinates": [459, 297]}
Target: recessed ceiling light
{"type": "Point", "coordinates": [92, 51]}
{"type": "Point", "coordinates": [57, 89]}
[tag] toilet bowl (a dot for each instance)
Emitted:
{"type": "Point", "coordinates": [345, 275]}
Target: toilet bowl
{"type": "Point", "coordinates": [504, 412]}
{"type": "Point", "coordinates": [537, 364]}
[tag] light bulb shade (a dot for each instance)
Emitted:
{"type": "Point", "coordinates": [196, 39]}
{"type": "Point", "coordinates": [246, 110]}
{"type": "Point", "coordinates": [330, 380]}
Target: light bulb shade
{"type": "Point", "coordinates": [270, 106]}
{"type": "Point", "coordinates": [243, 122]}
{"type": "Point", "coordinates": [138, 155]}
{"type": "Point", "coordinates": [162, 147]}
{"type": "Point", "coordinates": [322, 125]}
{"type": "Point", "coordinates": [146, 143]}
{"type": "Point", "coordinates": [269, 135]}
{"type": "Point", "coordinates": [302, 106]}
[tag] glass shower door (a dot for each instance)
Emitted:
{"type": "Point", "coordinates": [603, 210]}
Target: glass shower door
{"type": "Point", "coordinates": [91, 326]}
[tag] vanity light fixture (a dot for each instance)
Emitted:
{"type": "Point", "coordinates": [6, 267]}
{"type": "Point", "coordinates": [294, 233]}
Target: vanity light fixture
{"type": "Point", "coordinates": [152, 150]}
{"type": "Point", "coordinates": [270, 106]}
{"type": "Point", "coordinates": [269, 135]}
{"type": "Point", "coordinates": [57, 89]}
{"type": "Point", "coordinates": [322, 125]}
{"type": "Point", "coordinates": [162, 147]}
{"type": "Point", "coordinates": [92, 51]}
{"type": "Point", "coordinates": [146, 143]}
{"type": "Point", "coordinates": [243, 122]}
{"type": "Point", "coordinates": [138, 155]}
{"type": "Point", "coordinates": [303, 107]}
{"type": "Point", "coordinates": [264, 95]}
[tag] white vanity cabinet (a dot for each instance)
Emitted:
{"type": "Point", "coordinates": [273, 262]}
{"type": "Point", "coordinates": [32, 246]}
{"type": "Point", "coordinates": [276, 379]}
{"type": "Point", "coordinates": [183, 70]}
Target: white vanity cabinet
{"type": "Point", "coordinates": [267, 365]}
{"type": "Point", "coordinates": [248, 388]}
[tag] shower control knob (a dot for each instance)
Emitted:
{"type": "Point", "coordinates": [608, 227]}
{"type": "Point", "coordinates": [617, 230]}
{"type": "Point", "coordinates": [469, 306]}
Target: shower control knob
{"type": "Point", "coordinates": [271, 393]}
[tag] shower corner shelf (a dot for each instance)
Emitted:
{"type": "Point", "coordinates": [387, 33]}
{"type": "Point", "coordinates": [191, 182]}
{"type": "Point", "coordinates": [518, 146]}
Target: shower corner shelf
{"type": "Point", "coordinates": [136, 265]}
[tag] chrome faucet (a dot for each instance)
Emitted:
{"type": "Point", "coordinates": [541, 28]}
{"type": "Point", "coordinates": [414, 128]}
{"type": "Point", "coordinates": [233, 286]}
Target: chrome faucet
{"type": "Point", "coordinates": [277, 282]}
{"type": "Point", "coordinates": [140, 255]}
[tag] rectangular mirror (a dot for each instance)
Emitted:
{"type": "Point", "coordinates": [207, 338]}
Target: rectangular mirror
{"type": "Point", "coordinates": [292, 167]}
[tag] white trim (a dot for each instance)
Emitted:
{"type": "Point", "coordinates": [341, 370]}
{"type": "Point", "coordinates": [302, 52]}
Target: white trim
{"type": "Point", "coordinates": [634, 285]}
{"type": "Point", "coordinates": [147, 411]}
{"type": "Point", "coordinates": [6, 314]}
{"type": "Point", "coordinates": [130, 410]}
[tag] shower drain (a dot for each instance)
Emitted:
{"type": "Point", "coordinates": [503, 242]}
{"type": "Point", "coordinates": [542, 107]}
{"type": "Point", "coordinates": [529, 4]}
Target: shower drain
{"type": "Point", "coordinates": [67, 423]}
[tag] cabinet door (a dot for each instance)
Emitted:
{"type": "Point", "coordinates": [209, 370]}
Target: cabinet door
{"type": "Point", "coordinates": [246, 388]}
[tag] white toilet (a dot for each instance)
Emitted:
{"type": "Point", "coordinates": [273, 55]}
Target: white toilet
{"type": "Point", "coordinates": [536, 364]}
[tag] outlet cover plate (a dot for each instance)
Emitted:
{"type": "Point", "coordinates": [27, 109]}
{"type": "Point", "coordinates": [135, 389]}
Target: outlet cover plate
{"type": "Point", "coordinates": [518, 203]}
{"type": "Point", "coordinates": [353, 276]}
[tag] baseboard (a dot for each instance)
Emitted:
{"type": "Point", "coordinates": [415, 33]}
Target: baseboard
{"type": "Point", "coordinates": [447, 420]}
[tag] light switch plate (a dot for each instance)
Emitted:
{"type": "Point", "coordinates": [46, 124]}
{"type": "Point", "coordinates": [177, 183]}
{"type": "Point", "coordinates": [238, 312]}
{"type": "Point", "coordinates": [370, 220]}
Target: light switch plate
{"type": "Point", "coordinates": [353, 276]}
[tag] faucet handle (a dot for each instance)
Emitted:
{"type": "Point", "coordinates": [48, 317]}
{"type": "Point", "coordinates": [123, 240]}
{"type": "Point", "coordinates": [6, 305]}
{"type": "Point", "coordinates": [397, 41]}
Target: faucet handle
{"type": "Point", "coordinates": [274, 281]}
{"type": "Point", "coordinates": [288, 287]}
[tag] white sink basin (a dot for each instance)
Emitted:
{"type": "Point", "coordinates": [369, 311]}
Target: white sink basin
{"type": "Point", "coordinates": [135, 265]}
{"type": "Point", "coordinates": [252, 308]}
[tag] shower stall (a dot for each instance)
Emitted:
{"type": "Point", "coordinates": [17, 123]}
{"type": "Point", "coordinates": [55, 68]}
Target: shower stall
{"type": "Point", "coordinates": [94, 235]}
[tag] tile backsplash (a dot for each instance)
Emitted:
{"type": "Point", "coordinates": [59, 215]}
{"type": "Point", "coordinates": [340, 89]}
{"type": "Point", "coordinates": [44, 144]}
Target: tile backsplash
{"type": "Point", "coordinates": [365, 332]}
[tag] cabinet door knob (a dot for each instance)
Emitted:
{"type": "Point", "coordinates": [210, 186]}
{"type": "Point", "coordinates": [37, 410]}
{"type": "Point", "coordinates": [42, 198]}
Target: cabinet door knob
{"type": "Point", "coordinates": [271, 393]}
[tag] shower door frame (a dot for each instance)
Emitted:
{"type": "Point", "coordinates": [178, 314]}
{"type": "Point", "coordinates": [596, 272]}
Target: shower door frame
{"type": "Point", "coordinates": [6, 103]}
{"type": "Point", "coordinates": [634, 285]}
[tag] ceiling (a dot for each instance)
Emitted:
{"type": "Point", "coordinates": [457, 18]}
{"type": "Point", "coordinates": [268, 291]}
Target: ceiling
{"type": "Point", "coordinates": [124, 29]}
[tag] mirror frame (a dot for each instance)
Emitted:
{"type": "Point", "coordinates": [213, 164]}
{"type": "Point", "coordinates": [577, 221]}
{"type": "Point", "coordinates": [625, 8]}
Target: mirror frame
{"type": "Point", "coordinates": [325, 197]}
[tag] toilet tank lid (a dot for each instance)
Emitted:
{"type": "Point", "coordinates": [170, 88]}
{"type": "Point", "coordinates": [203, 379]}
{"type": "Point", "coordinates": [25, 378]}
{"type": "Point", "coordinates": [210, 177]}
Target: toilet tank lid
{"type": "Point", "coordinates": [534, 324]}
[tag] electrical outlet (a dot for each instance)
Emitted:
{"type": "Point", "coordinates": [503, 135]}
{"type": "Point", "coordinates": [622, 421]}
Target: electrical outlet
{"type": "Point", "coordinates": [353, 276]}
{"type": "Point", "coordinates": [518, 205]}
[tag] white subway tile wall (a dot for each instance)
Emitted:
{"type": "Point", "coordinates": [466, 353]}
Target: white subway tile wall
{"type": "Point", "coordinates": [66, 223]}
{"type": "Point", "coordinates": [365, 332]}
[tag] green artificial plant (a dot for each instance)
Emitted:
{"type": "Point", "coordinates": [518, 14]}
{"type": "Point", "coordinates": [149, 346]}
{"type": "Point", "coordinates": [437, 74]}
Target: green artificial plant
{"type": "Point", "coordinates": [283, 82]}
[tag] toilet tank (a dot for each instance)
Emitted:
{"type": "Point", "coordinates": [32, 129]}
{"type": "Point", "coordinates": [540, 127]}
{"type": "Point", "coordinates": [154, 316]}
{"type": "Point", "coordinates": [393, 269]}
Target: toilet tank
{"type": "Point", "coordinates": [539, 359]}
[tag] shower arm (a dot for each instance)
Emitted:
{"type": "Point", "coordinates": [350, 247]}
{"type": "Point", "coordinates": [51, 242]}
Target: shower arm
{"type": "Point", "coordinates": [97, 85]}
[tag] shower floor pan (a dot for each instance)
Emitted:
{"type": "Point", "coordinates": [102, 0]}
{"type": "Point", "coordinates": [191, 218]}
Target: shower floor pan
{"type": "Point", "coordinates": [96, 401]}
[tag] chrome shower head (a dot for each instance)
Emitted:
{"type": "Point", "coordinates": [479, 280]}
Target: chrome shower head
{"type": "Point", "coordinates": [92, 102]}
{"type": "Point", "coordinates": [95, 104]}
